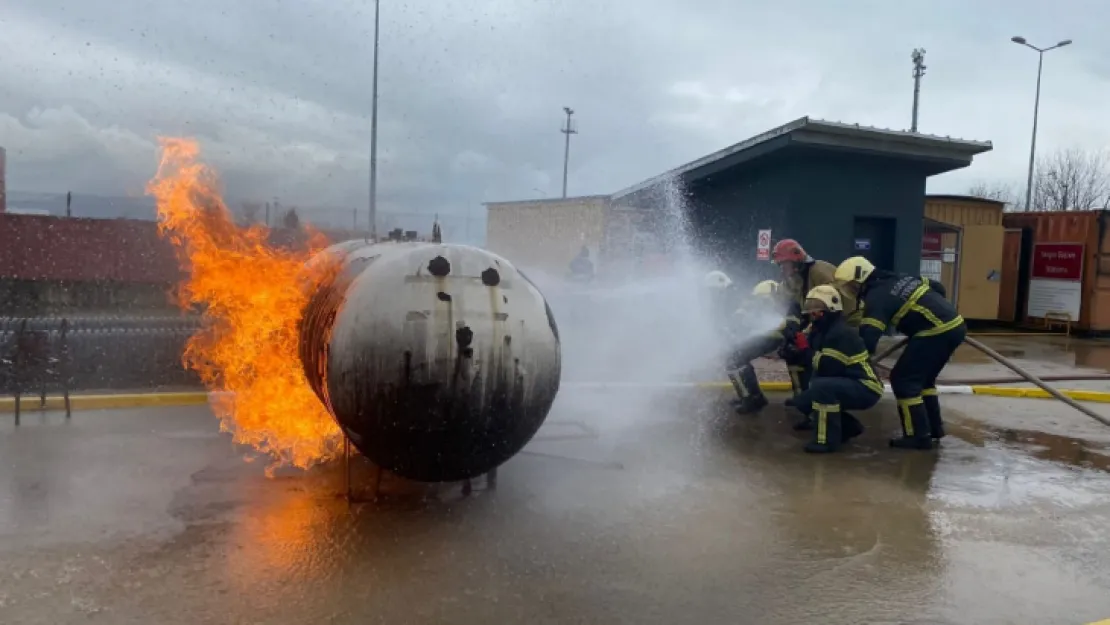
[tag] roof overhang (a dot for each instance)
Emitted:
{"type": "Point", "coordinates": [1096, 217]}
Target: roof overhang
{"type": "Point", "coordinates": [940, 226]}
{"type": "Point", "coordinates": [933, 153]}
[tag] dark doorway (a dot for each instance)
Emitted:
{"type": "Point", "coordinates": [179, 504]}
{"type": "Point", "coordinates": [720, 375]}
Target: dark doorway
{"type": "Point", "coordinates": [1023, 273]}
{"type": "Point", "coordinates": [873, 238]}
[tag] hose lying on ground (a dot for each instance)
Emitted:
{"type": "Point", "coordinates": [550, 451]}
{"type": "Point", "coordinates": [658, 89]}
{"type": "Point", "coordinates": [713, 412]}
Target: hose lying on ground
{"type": "Point", "coordinates": [1035, 380]}
{"type": "Point", "coordinates": [1009, 364]}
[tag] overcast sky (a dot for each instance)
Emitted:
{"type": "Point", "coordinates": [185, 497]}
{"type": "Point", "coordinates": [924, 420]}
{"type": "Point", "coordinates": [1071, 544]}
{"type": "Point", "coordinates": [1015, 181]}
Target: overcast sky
{"type": "Point", "coordinates": [278, 91]}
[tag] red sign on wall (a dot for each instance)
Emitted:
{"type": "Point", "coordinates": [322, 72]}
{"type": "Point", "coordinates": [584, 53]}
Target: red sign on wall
{"type": "Point", "coordinates": [931, 245]}
{"type": "Point", "coordinates": [1057, 261]}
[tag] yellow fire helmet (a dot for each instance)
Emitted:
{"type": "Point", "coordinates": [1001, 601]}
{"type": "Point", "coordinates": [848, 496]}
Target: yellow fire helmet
{"type": "Point", "coordinates": [855, 269]}
{"type": "Point", "coordinates": [767, 287]}
{"type": "Point", "coordinates": [824, 297]}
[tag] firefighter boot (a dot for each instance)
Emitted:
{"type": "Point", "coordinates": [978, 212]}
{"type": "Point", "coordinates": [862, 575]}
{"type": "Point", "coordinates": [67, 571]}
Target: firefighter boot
{"type": "Point", "coordinates": [804, 424]}
{"type": "Point", "coordinates": [850, 427]}
{"type": "Point", "coordinates": [747, 387]}
{"type": "Point", "coordinates": [827, 429]}
{"type": "Point", "coordinates": [915, 425]}
{"type": "Point", "coordinates": [734, 378]}
{"type": "Point", "coordinates": [932, 408]}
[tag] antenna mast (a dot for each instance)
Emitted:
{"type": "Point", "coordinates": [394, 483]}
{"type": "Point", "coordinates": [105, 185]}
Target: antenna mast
{"type": "Point", "coordinates": [568, 130]}
{"type": "Point", "coordinates": [918, 58]}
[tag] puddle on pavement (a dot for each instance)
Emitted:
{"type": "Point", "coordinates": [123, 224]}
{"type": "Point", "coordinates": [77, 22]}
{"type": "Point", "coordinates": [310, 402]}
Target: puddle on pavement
{"type": "Point", "coordinates": [1058, 350]}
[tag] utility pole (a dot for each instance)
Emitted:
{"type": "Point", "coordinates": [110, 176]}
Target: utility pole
{"type": "Point", "coordinates": [374, 136]}
{"type": "Point", "coordinates": [568, 130]}
{"type": "Point", "coordinates": [918, 57]}
{"type": "Point", "coordinates": [1036, 110]}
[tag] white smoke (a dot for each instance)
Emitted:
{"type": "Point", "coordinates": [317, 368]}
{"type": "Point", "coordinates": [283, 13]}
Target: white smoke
{"type": "Point", "coordinates": [652, 331]}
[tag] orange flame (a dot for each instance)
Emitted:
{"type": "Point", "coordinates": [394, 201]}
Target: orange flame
{"type": "Point", "coordinates": [252, 294]}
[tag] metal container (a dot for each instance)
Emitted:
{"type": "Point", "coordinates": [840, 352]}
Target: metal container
{"type": "Point", "coordinates": [1081, 230]}
{"type": "Point", "coordinates": [439, 362]}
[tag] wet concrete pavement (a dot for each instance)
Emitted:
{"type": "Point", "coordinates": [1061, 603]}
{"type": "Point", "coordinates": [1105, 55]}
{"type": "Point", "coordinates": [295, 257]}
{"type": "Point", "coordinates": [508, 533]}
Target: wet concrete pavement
{"type": "Point", "coordinates": [617, 513]}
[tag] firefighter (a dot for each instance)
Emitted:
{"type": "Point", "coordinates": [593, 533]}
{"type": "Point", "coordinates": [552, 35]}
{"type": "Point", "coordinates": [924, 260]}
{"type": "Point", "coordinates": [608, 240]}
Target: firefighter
{"type": "Point", "coordinates": [801, 272]}
{"type": "Point", "coordinates": [842, 377]}
{"type": "Point", "coordinates": [915, 307]}
{"type": "Point", "coordinates": [741, 373]}
{"type": "Point", "coordinates": [721, 296]}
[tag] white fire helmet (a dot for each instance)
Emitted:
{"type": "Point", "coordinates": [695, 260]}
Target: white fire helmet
{"type": "Point", "coordinates": [716, 280]}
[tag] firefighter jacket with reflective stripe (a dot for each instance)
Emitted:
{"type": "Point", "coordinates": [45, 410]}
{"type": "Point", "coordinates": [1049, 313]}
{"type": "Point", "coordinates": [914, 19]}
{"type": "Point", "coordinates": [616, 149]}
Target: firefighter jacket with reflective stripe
{"type": "Point", "coordinates": [815, 274]}
{"type": "Point", "coordinates": [839, 352]}
{"type": "Point", "coordinates": [908, 304]}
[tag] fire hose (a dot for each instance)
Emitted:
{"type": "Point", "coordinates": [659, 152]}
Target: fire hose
{"type": "Point", "coordinates": [1009, 364]}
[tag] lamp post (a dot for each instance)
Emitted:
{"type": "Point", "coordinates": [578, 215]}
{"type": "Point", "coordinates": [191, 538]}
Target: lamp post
{"type": "Point", "coordinates": [1036, 109]}
{"type": "Point", "coordinates": [374, 136]}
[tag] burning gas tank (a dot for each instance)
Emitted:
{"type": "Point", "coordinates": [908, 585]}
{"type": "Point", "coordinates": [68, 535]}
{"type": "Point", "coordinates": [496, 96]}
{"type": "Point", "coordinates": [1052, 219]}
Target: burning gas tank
{"type": "Point", "coordinates": [439, 362]}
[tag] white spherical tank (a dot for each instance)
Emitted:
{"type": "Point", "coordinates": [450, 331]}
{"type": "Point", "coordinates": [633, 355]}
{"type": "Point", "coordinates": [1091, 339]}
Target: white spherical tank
{"type": "Point", "coordinates": [439, 361]}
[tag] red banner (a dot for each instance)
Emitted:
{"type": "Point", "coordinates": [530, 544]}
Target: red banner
{"type": "Point", "coordinates": [931, 246]}
{"type": "Point", "coordinates": [1057, 261]}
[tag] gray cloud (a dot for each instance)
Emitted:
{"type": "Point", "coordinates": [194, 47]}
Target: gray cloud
{"type": "Point", "coordinates": [278, 92]}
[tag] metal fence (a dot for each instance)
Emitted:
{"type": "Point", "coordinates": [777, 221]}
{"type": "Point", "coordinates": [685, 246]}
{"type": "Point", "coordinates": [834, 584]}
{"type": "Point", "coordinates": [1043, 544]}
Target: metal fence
{"type": "Point", "coordinates": [47, 354]}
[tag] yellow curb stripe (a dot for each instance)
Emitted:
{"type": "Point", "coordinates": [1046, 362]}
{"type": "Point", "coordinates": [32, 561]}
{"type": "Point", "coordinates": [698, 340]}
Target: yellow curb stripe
{"type": "Point", "coordinates": [1102, 397]}
{"type": "Point", "coordinates": [30, 403]}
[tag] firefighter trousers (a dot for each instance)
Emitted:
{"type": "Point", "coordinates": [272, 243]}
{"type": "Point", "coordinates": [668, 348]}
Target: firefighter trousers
{"type": "Point", "coordinates": [740, 370]}
{"type": "Point", "coordinates": [914, 382]}
{"type": "Point", "coordinates": [826, 401]}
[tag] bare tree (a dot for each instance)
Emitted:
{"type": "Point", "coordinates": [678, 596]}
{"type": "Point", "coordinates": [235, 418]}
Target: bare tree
{"type": "Point", "coordinates": [1072, 180]}
{"type": "Point", "coordinates": [997, 191]}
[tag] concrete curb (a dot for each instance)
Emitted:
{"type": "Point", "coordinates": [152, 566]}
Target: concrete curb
{"type": "Point", "coordinates": [944, 389]}
{"type": "Point", "coordinates": [30, 403]}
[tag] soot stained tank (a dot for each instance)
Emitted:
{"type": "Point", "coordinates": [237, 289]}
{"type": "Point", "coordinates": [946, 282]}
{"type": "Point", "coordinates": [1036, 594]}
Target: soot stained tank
{"type": "Point", "coordinates": [438, 361]}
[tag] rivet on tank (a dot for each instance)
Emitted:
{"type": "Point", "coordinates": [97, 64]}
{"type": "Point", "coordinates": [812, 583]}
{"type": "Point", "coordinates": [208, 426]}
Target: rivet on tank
{"type": "Point", "coordinates": [439, 361]}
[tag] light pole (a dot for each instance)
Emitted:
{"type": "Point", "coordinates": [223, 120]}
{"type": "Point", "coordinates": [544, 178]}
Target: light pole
{"type": "Point", "coordinates": [568, 130]}
{"type": "Point", "coordinates": [374, 136]}
{"type": "Point", "coordinates": [1036, 109]}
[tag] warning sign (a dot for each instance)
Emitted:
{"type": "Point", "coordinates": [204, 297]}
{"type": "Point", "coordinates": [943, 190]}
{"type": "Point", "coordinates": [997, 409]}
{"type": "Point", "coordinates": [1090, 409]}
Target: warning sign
{"type": "Point", "coordinates": [763, 250]}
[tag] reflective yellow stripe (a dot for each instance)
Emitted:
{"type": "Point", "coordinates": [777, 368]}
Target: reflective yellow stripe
{"type": "Point", "coordinates": [855, 318]}
{"type": "Point", "coordinates": [872, 382]}
{"type": "Point", "coordinates": [911, 301]}
{"type": "Point", "coordinates": [844, 358]}
{"type": "Point", "coordinates": [929, 392]}
{"type": "Point", "coordinates": [823, 411]}
{"type": "Point", "coordinates": [904, 409]}
{"type": "Point", "coordinates": [942, 328]}
{"type": "Point", "coordinates": [875, 386]}
{"type": "Point", "coordinates": [875, 323]}
{"type": "Point", "coordinates": [795, 378]}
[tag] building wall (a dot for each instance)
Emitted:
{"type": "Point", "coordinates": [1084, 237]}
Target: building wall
{"type": "Point", "coordinates": [546, 234]}
{"type": "Point", "coordinates": [979, 253]}
{"type": "Point", "coordinates": [963, 212]}
{"type": "Point", "coordinates": [814, 198]}
{"type": "Point", "coordinates": [829, 191]}
{"type": "Point", "coordinates": [726, 214]}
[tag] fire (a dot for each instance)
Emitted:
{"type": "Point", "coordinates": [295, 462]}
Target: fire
{"type": "Point", "coordinates": [252, 294]}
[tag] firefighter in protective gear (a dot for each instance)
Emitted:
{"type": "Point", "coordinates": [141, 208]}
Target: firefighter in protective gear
{"type": "Point", "coordinates": [722, 298]}
{"type": "Point", "coordinates": [915, 307]}
{"type": "Point", "coordinates": [842, 375]}
{"type": "Point", "coordinates": [740, 370]}
{"type": "Point", "coordinates": [801, 272]}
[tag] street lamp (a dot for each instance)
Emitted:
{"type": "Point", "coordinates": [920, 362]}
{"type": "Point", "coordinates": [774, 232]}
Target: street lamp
{"type": "Point", "coordinates": [1036, 108]}
{"type": "Point", "coordinates": [374, 136]}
